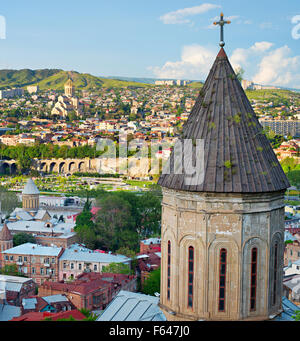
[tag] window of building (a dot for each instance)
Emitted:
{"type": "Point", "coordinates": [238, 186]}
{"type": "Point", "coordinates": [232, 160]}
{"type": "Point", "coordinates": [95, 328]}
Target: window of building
{"type": "Point", "coordinates": [222, 279]}
{"type": "Point", "coordinates": [42, 271]}
{"type": "Point", "coordinates": [72, 265]}
{"type": "Point", "coordinates": [79, 266]}
{"type": "Point", "coordinates": [190, 276]}
{"type": "Point", "coordinates": [169, 270]}
{"type": "Point", "coordinates": [64, 265]}
{"type": "Point", "coordinates": [253, 280]}
{"type": "Point", "coordinates": [25, 259]}
{"type": "Point", "coordinates": [95, 267]}
{"type": "Point", "coordinates": [52, 260]}
{"type": "Point", "coordinates": [11, 258]}
{"type": "Point", "coordinates": [275, 273]}
{"type": "Point", "coordinates": [20, 259]}
{"type": "Point", "coordinates": [33, 270]}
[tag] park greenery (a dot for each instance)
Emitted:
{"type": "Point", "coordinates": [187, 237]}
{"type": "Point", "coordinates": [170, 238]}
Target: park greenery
{"type": "Point", "coordinates": [123, 219]}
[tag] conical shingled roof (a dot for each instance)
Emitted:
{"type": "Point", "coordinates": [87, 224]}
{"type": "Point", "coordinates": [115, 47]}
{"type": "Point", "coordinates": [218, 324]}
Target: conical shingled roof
{"type": "Point", "coordinates": [30, 188]}
{"type": "Point", "coordinates": [5, 234]}
{"type": "Point", "coordinates": [238, 157]}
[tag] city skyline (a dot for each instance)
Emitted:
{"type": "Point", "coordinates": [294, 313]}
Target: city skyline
{"type": "Point", "coordinates": [173, 39]}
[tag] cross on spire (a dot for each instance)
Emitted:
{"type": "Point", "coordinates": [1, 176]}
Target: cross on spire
{"type": "Point", "coordinates": [222, 22]}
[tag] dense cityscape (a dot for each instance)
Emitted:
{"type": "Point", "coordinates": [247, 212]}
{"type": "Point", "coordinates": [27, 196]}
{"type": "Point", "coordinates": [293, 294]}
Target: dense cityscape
{"type": "Point", "coordinates": [149, 199]}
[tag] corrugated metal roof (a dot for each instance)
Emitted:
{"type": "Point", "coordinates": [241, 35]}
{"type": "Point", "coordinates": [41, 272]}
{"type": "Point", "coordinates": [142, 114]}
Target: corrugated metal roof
{"type": "Point", "coordinates": [55, 298]}
{"type": "Point", "coordinates": [93, 257]}
{"type": "Point", "coordinates": [129, 306]}
{"type": "Point", "coordinates": [29, 303]}
{"type": "Point", "coordinates": [7, 312]}
{"type": "Point", "coordinates": [237, 156]}
{"type": "Point", "coordinates": [289, 310]}
{"type": "Point", "coordinates": [34, 249]}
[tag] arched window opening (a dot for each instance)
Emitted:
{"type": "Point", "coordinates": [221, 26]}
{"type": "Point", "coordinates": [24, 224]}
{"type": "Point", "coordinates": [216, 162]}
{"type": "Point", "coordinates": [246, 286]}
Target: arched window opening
{"type": "Point", "coordinates": [169, 270]}
{"type": "Point", "coordinates": [190, 276]}
{"type": "Point", "coordinates": [222, 279]}
{"type": "Point", "coordinates": [275, 273]}
{"type": "Point", "coordinates": [253, 280]}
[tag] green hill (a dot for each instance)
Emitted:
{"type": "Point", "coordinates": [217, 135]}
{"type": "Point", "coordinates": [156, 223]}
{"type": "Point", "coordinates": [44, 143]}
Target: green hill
{"type": "Point", "coordinates": [24, 77]}
{"type": "Point", "coordinates": [55, 79]}
{"type": "Point", "coordinates": [195, 85]}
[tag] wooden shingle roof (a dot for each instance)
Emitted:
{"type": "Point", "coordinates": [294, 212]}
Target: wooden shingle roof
{"type": "Point", "coordinates": [238, 157]}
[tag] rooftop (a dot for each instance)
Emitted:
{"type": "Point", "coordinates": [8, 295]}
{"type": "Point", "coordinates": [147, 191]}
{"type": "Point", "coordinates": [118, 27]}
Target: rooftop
{"type": "Point", "coordinates": [34, 249]}
{"type": "Point", "coordinates": [30, 188]}
{"type": "Point", "coordinates": [237, 156]}
{"type": "Point", "coordinates": [130, 306]}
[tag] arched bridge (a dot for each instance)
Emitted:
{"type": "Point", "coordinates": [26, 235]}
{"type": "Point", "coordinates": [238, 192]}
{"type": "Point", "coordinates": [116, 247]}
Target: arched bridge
{"type": "Point", "coordinates": [66, 166]}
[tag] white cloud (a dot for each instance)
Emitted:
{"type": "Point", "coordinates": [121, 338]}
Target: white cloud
{"type": "Point", "coordinates": [194, 64]}
{"type": "Point", "coordinates": [261, 46]}
{"type": "Point", "coordinates": [279, 68]}
{"type": "Point", "coordinates": [240, 57]}
{"type": "Point", "coordinates": [263, 64]}
{"type": "Point", "coordinates": [180, 16]}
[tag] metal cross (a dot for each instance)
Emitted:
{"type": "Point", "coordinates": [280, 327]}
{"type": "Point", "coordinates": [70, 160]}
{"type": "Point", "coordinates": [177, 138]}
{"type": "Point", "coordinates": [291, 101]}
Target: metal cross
{"type": "Point", "coordinates": [222, 22]}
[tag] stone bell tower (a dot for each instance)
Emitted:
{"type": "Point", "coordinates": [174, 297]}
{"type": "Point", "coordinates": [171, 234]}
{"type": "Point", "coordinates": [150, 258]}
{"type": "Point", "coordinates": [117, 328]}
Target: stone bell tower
{"type": "Point", "coordinates": [223, 234]}
{"type": "Point", "coordinates": [69, 88]}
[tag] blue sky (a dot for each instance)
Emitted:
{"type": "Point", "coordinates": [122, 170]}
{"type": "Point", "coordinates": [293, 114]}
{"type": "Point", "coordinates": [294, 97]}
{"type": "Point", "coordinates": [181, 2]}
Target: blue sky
{"type": "Point", "coordinates": [157, 38]}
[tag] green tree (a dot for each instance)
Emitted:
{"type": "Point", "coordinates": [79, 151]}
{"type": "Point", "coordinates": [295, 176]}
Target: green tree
{"type": "Point", "coordinates": [11, 270]}
{"type": "Point", "coordinates": [297, 316]}
{"type": "Point", "coordinates": [294, 177]}
{"type": "Point", "coordinates": [152, 283]}
{"type": "Point", "coordinates": [240, 73]}
{"type": "Point", "coordinates": [9, 200]}
{"type": "Point", "coordinates": [113, 221]}
{"type": "Point", "coordinates": [22, 238]}
{"type": "Point", "coordinates": [117, 268]}
{"type": "Point", "coordinates": [90, 316]}
{"type": "Point", "coordinates": [86, 235]}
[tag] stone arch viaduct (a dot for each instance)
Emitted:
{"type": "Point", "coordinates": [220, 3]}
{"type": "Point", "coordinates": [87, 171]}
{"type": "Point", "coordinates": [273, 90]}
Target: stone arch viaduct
{"type": "Point", "coordinates": [62, 166]}
{"type": "Point", "coordinates": [67, 166]}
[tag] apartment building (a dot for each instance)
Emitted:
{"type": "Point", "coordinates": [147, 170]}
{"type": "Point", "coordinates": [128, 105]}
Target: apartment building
{"type": "Point", "coordinates": [36, 261]}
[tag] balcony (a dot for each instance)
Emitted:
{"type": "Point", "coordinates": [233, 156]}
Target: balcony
{"type": "Point", "coordinates": [19, 263]}
{"type": "Point", "coordinates": [47, 265]}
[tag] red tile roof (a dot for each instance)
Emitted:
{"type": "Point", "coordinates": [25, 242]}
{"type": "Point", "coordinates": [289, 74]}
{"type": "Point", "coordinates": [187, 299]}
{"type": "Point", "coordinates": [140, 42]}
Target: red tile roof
{"type": "Point", "coordinates": [76, 314]}
{"type": "Point", "coordinates": [5, 234]}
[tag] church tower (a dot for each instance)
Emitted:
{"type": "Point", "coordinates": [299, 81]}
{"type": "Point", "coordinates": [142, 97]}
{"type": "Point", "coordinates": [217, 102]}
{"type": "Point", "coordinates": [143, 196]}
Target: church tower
{"type": "Point", "coordinates": [223, 225]}
{"type": "Point", "coordinates": [69, 88]}
{"type": "Point", "coordinates": [30, 196]}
